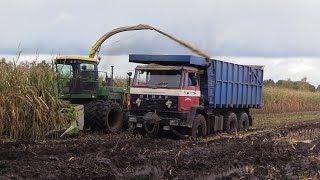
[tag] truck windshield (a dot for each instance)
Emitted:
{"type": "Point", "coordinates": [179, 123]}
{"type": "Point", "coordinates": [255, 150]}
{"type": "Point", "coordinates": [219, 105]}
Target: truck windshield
{"type": "Point", "coordinates": [158, 78]}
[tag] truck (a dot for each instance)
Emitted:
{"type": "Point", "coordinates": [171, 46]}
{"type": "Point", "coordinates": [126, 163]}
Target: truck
{"type": "Point", "coordinates": [192, 96]}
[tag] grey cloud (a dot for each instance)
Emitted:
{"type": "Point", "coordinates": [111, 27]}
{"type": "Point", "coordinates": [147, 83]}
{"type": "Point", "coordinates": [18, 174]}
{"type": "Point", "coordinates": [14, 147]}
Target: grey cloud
{"type": "Point", "coordinates": [221, 28]}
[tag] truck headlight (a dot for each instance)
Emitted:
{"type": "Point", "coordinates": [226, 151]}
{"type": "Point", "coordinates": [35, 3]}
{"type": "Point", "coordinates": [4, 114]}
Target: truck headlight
{"type": "Point", "coordinates": [173, 122]}
{"type": "Point", "coordinates": [166, 128]}
{"type": "Point", "coordinates": [168, 103]}
{"type": "Point", "coordinates": [132, 119]}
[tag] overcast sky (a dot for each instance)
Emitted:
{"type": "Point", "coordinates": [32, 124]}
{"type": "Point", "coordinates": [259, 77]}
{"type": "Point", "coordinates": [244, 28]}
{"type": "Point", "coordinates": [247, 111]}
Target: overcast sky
{"type": "Point", "coordinates": [271, 30]}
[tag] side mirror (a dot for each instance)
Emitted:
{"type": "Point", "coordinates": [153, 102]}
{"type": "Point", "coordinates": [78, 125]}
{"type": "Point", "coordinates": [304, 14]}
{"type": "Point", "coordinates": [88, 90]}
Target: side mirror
{"type": "Point", "coordinates": [129, 79]}
{"type": "Point", "coordinates": [98, 60]}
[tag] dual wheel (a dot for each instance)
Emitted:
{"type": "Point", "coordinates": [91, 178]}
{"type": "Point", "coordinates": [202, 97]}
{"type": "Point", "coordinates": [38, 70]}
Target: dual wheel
{"type": "Point", "coordinates": [231, 123]}
{"type": "Point", "coordinates": [101, 115]}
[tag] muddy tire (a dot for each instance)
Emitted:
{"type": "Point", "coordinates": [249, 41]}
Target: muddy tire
{"type": "Point", "coordinates": [199, 127]}
{"type": "Point", "coordinates": [243, 121]}
{"type": "Point", "coordinates": [125, 125]}
{"type": "Point", "coordinates": [114, 119]}
{"type": "Point", "coordinates": [230, 122]}
{"type": "Point", "coordinates": [93, 115]}
{"type": "Point", "coordinates": [103, 116]}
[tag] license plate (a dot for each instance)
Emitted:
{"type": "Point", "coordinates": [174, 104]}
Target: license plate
{"type": "Point", "coordinates": [139, 125]}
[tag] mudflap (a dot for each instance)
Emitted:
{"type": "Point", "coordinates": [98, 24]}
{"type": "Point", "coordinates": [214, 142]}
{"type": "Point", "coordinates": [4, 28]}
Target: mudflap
{"type": "Point", "coordinates": [251, 120]}
{"type": "Point", "coordinates": [181, 136]}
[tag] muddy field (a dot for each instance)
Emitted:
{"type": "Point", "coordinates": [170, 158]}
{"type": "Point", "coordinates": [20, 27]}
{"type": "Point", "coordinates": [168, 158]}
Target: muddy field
{"type": "Point", "coordinates": [286, 152]}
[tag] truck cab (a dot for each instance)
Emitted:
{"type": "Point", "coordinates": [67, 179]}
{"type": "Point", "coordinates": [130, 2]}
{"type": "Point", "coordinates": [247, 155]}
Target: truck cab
{"type": "Point", "coordinates": [164, 93]}
{"type": "Point", "coordinates": [165, 88]}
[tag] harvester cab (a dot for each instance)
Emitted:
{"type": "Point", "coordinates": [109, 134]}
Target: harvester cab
{"type": "Point", "coordinates": [77, 76]}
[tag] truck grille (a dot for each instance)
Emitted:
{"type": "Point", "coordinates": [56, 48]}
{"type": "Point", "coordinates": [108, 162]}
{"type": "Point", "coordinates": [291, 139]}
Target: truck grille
{"type": "Point", "coordinates": [154, 102]}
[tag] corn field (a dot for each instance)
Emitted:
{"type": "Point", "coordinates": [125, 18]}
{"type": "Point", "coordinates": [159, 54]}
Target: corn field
{"type": "Point", "coordinates": [29, 105]}
{"type": "Point", "coordinates": [120, 81]}
{"type": "Point", "coordinates": [279, 100]}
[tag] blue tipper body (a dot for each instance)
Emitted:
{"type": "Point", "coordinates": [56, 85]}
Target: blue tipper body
{"type": "Point", "coordinates": [228, 85]}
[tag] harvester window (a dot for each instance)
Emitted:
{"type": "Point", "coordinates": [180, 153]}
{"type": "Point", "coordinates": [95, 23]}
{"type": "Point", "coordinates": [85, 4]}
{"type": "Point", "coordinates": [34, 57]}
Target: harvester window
{"type": "Point", "coordinates": [65, 71]}
{"type": "Point", "coordinates": [87, 67]}
{"type": "Point", "coordinates": [87, 71]}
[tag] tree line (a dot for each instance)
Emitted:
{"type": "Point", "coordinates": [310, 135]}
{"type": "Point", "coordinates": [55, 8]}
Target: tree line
{"type": "Point", "coordinates": [302, 85]}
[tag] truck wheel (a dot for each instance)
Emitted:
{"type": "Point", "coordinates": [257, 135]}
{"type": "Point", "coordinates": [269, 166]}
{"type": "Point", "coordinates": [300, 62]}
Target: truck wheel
{"type": "Point", "coordinates": [243, 121]}
{"type": "Point", "coordinates": [199, 126]}
{"type": "Point", "coordinates": [230, 122]}
{"type": "Point", "coordinates": [139, 131]}
{"type": "Point", "coordinates": [114, 119]}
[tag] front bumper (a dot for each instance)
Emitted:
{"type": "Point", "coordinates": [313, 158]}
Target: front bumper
{"type": "Point", "coordinates": [166, 121]}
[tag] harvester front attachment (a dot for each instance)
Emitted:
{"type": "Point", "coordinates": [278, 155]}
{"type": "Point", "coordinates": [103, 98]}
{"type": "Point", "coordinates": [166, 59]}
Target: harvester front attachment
{"type": "Point", "coordinates": [75, 113]}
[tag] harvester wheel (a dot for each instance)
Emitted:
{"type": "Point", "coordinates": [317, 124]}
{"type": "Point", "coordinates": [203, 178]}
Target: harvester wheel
{"type": "Point", "coordinates": [230, 122]}
{"type": "Point", "coordinates": [114, 119]}
{"type": "Point", "coordinates": [103, 116]}
{"type": "Point", "coordinates": [243, 121]}
{"type": "Point", "coordinates": [125, 125]}
{"type": "Point", "coordinates": [94, 115]}
{"type": "Point", "coordinates": [199, 126]}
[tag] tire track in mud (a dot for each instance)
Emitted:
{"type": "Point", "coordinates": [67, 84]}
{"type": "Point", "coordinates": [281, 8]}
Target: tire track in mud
{"type": "Point", "coordinates": [291, 152]}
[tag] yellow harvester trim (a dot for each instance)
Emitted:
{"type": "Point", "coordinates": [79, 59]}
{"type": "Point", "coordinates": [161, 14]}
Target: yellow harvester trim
{"type": "Point", "coordinates": [76, 57]}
